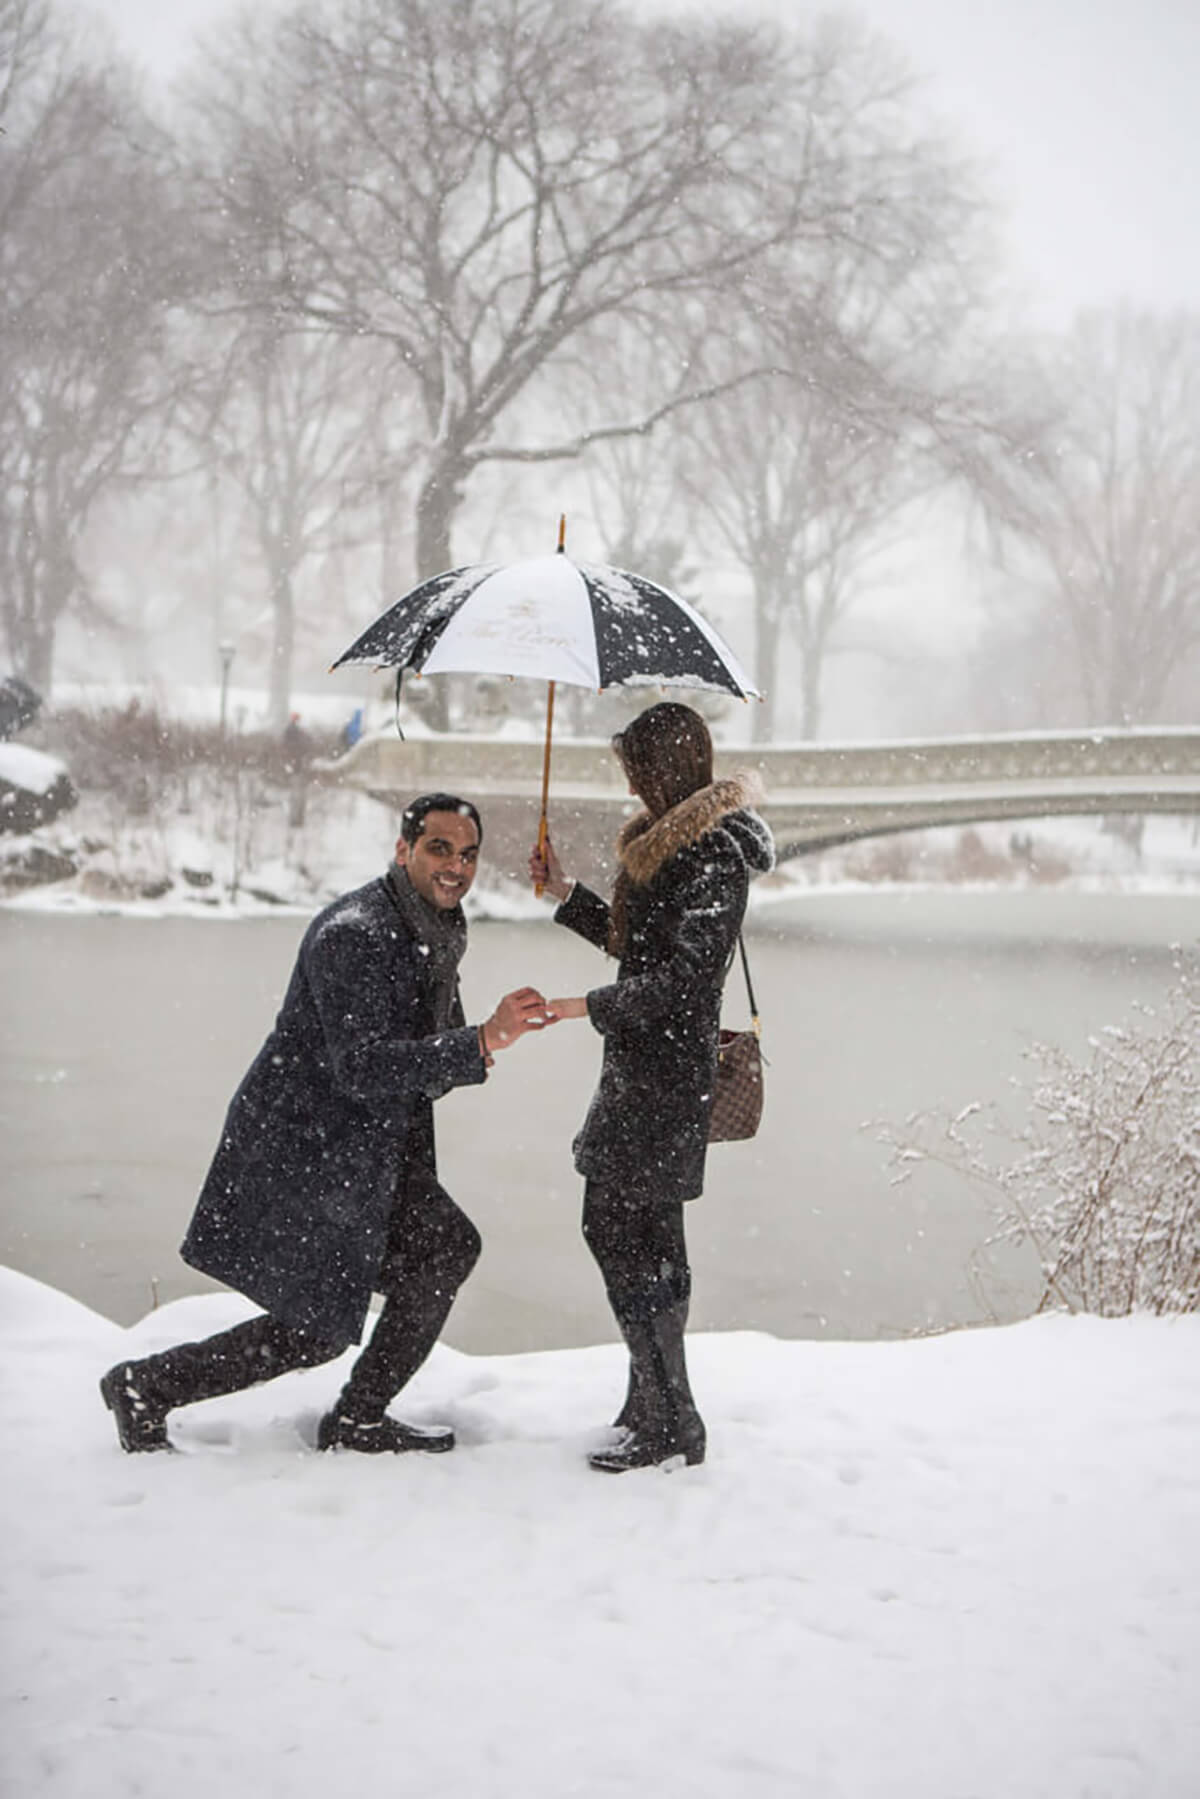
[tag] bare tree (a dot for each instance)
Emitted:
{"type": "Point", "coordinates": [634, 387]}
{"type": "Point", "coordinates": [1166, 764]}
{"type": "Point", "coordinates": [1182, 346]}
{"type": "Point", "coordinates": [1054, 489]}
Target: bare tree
{"type": "Point", "coordinates": [1101, 531]}
{"type": "Point", "coordinates": [88, 264]}
{"type": "Point", "coordinates": [287, 414]}
{"type": "Point", "coordinates": [801, 497]}
{"type": "Point", "coordinates": [491, 188]}
{"type": "Point", "coordinates": [805, 474]}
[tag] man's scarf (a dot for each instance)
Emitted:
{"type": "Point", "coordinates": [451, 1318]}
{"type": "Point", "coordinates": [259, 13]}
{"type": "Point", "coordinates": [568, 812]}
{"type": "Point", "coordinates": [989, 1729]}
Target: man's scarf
{"type": "Point", "coordinates": [442, 936]}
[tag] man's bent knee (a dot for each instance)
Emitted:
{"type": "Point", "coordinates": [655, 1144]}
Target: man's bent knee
{"type": "Point", "coordinates": [461, 1251]}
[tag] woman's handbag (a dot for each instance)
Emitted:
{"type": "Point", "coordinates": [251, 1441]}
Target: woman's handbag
{"type": "Point", "coordinates": [738, 1094]}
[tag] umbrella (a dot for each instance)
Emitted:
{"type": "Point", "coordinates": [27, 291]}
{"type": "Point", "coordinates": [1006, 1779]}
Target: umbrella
{"type": "Point", "coordinates": [554, 619]}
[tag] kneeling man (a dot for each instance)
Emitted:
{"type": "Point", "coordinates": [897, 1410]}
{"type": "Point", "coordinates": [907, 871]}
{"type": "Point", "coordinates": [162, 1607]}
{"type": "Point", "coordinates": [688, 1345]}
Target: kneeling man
{"type": "Point", "coordinates": [324, 1186]}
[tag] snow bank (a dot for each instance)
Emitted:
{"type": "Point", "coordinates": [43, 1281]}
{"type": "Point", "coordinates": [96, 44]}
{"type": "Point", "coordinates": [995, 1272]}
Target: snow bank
{"type": "Point", "coordinates": [957, 1568]}
{"type": "Point", "coordinates": [29, 769]}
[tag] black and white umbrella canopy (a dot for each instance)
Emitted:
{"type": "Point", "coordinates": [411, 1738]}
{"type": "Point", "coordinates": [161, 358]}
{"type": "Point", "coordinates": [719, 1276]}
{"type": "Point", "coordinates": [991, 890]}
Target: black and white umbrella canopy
{"type": "Point", "coordinates": [554, 620]}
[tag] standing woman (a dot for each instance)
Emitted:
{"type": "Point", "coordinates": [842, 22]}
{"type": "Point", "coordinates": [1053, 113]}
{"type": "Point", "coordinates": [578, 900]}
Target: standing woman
{"type": "Point", "coordinates": [677, 908]}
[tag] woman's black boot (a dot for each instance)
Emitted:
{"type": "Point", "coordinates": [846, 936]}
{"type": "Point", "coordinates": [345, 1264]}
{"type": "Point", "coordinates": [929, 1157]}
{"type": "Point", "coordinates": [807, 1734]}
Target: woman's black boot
{"type": "Point", "coordinates": [651, 1449]}
{"type": "Point", "coordinates": [667, 1425]}
{"type": "Point", "coordinates": [633, 1413]}
{"type": "Point", "coordinates": [630, 1414]}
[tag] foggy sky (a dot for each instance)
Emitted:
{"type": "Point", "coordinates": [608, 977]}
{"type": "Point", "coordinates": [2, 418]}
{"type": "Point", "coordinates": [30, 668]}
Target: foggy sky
{"type": "Point", "coordinates": [1086, 109]}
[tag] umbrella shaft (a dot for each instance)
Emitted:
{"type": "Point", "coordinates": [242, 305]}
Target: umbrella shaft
{"type": "Point", "coordinates": [542, 830]}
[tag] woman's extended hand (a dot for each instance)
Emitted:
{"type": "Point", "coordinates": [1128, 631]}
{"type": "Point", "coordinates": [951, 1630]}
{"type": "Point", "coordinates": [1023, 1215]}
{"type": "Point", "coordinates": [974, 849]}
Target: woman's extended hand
{"type": "Point", "coordinates": [566, 1008]}
{"type": "Point", "coordinates": [545, 870]}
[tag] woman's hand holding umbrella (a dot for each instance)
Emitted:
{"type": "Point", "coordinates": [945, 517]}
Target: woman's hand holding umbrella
{"type": "Point", "coordinates": [546, 872]}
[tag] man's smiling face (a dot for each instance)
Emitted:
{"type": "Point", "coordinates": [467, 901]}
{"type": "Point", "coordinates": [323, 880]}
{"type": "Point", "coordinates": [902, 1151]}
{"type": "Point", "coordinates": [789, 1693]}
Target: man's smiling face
{"type": "Point", "coordinates": [441, 863]}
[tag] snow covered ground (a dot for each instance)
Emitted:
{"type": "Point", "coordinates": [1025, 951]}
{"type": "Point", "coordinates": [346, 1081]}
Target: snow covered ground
{"type": "Point", "coordinates": [965, 1567]}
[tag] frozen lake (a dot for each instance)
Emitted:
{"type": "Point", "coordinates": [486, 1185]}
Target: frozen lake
{"type": "Point", "coordinates": [122, 1040]}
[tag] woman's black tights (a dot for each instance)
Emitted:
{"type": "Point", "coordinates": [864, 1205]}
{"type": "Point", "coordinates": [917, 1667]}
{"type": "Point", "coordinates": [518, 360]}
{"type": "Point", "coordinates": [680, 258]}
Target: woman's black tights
{"type": "Point", "coordinates": [639, 1246]}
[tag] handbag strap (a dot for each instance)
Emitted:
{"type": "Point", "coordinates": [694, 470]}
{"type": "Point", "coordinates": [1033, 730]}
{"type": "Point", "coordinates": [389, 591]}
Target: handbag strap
{"type": "Point", "coordinates": [754, 1019]}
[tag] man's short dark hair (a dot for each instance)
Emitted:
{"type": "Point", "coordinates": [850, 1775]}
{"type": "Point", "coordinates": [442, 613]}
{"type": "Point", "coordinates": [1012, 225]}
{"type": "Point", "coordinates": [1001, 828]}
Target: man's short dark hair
{"type": "Point", "coordinates": [412, 820]}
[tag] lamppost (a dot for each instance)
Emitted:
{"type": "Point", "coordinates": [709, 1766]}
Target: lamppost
{"type": "Point", "coordinates": [225, 651]}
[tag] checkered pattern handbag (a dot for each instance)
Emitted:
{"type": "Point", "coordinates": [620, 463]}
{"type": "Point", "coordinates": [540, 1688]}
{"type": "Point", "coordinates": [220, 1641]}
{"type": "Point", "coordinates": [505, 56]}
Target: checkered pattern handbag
{"type": "Point", "coordinates": [738, 1095]}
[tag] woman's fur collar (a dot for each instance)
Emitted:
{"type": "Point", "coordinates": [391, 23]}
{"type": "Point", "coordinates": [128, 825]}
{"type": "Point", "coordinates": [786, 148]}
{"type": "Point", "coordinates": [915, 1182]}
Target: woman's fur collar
{"type": "Point", "coordinates": [646, 843]}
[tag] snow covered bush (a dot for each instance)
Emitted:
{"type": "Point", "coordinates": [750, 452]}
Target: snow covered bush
{"type": "Point", "coordinates": [1102, 1177]}
{"type": "Point", "coordinates": [171, 808]}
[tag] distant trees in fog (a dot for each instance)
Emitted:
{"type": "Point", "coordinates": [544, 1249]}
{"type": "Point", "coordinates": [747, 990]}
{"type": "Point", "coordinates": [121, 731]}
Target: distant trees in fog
{"type": "Point", "coordinates": [282, 415]}
{"type": "Point", "coordinates": [500, 194]}
{"type": "Point", "coordinates": [389, 251]}
{"type": "Point", "coordinates": [91, 263]}
{"type": "Point", "coordinates": [1102, 535]}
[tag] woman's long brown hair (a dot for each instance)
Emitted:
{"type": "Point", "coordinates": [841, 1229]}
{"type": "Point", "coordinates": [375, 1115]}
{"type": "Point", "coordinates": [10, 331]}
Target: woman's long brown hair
{"type": "Point", "coordinates": [667, 754]}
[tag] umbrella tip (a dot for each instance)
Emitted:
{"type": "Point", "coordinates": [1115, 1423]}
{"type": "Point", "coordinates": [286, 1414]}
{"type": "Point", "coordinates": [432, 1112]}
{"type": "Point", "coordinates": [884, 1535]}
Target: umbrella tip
{"type": "Point", "coordinates": [562, 532]}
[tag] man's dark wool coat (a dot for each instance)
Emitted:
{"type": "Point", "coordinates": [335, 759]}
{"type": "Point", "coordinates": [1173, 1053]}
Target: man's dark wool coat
{"type": "Point", "coordinates": [294, 1211]}
{"type": "Point", "coordinates": [688, 875]}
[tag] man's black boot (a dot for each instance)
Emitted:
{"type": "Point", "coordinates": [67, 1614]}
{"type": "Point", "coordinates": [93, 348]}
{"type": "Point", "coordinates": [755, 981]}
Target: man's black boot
{"type": "Point", "coordinates": [140, 1418]}
{"type": "Point", "coordinates": [380, 1436]}
{"type": "Point", "coordinates": [404, 1333]}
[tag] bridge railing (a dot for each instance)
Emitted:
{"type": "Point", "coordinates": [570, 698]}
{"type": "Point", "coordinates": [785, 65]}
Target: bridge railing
{"type": "Point", "coordinates": [954, 761]}
{"type": "Point", "coordinates": [384, 763]}
{"type": "Point", "coordinates": [818, 796]}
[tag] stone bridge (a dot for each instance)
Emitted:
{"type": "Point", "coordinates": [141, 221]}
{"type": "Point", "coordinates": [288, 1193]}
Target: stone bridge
{"type": "Point", "coordinates": [818, 796]}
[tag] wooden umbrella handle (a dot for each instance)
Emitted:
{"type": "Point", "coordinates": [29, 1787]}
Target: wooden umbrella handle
{"type": "Point", "coordinates": [539, 887]}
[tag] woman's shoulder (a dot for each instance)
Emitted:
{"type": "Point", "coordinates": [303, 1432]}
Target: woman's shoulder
{"type": "Point", "coordinates": [733, 826]}
{"type": "Point", "coordinates": [739, 837]}
{"type": "Point", "coordinates": [717, 859]}
{"type": "Point", "coordinates": [749, 835]}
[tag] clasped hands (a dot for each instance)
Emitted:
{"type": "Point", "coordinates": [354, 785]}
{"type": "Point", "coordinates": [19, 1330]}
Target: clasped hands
{"type": "Point", "coordinates": [522, 1010]}
{"type": "Point", "coordinates": [525, 1010]}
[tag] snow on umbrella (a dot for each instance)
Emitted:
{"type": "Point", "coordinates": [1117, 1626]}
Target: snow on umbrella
{"type": "Point", "coordinates": [555, 620]}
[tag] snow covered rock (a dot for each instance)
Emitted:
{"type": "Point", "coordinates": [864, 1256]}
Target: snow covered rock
{"type": "Point", "coordinates": [34, 788]}
{"type": "Point", "coordinates": [24, 862]}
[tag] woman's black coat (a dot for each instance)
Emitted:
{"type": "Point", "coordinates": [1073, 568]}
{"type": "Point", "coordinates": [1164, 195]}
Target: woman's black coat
{"type": "Point", "coordinates": [689, 871]}
{"type": "Point", "coordinates": [294, 1211]}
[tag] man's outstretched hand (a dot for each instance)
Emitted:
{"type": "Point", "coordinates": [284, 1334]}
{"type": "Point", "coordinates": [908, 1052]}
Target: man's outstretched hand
{"type": "Point", "coordinates": [518, 1012]}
